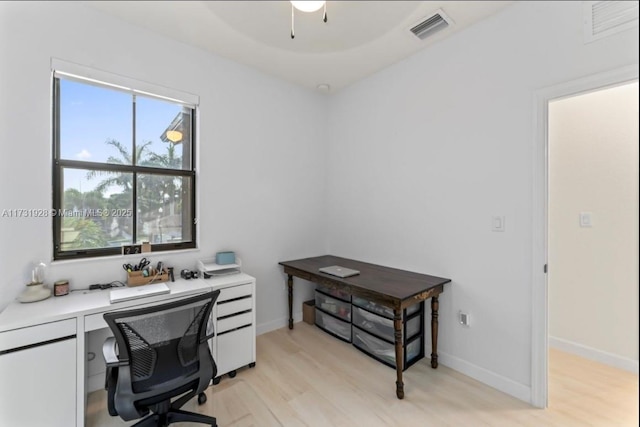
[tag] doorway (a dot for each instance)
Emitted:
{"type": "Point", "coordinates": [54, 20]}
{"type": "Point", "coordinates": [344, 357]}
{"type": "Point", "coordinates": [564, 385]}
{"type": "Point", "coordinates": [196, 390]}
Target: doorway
{"type": "Point", "coordinates": [593, 225]}
{"type": "Point", "coordinates": [558, 98]}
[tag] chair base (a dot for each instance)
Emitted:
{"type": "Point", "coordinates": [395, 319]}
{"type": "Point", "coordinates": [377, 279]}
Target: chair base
{"type": "Point", "coordinates": [175, 416]}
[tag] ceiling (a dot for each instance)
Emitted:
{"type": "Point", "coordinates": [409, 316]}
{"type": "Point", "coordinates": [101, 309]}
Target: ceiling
{"type": "Point", "coordinates": [360, 37]}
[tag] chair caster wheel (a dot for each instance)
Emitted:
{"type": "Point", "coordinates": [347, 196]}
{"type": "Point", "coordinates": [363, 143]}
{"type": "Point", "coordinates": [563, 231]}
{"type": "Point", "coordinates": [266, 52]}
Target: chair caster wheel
{"type": "Point", "coordinates": [202, 398]}
{"type": "Point", "coordinates": [252, 364]}
{"type": "Point", "coordinates": [232, 374]}
{"type": "Point", "coordinates": [216, 380]}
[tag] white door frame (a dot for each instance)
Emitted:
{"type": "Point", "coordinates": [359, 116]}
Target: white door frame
{"type": "Point", "coordinates": [539, 303]}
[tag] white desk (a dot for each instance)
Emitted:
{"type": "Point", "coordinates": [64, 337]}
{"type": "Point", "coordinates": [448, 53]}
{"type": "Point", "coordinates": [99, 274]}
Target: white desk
{"type": "Point", "coordinates": [43, 368]}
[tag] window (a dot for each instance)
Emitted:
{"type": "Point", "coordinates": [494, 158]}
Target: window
{"type": "Point", "coordinates": [123, 169]}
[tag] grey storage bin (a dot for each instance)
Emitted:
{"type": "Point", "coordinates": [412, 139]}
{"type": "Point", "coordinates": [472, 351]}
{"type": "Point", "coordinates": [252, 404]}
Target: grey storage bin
{"type": "Point", "coordinates": [414, 349]}
{"type": "Point", "coordinates": [375, 347]}
{"type": "Point", "coordinates": [413, 309]}
{"type": "Point", "coordinates": [384, 351]}
{"type": "Point", "coordinates": [334, 326]}
{"type": "Point", "coordinates": [333, 306]}
{"type": "Point", "coordinates": [382, 327]}
{"type": "Point", "coordinates": [372, 306]}
{"type": "Point", "coordinates": [380, 309]}
{"type": "Point", "coordinates": [412, 327]}
{"type": "Point", "coordinates": [374, 324]}
{"type": "Point", "coordinates": [342, 295]}
{"type": "Point", "coordinates": [370, 326]}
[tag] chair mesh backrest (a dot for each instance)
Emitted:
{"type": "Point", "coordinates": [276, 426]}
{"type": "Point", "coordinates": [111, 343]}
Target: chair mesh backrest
{"type": "Point", "coordinates": [143, 355]}
{"type": "Point", "coordinates": [187, 347]}
{"type": "Point", "coordinates": [158, 341]}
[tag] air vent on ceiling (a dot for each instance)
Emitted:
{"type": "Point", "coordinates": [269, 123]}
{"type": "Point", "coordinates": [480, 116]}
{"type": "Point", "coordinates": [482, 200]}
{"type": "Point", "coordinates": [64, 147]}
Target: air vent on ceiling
{"type": "Point", "coordinates": [436, 22]}
{"type": "Point", "coordinates": [604, 18]}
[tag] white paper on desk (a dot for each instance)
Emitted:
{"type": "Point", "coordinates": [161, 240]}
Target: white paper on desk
{"type": "Point", "coordinates": [126, 294]}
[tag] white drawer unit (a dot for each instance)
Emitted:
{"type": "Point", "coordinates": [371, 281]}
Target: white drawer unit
{"type": "Point", "coordinates": [39, 359]}
{"type": "Point", "coordinates": [234, 345]}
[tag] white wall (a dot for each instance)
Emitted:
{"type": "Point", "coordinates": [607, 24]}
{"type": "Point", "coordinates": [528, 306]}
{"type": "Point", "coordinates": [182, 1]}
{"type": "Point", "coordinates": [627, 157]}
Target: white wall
{"type": "Point", "coordinates": [593, 274]}
{"type": "Point", "coordinates": [424, 153]}
{"type": "Point", "coordinates": [261, 170]}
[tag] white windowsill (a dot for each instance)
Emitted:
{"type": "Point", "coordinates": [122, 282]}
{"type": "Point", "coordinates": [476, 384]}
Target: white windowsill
{"type": "Point", "coordinates": [123, 257]}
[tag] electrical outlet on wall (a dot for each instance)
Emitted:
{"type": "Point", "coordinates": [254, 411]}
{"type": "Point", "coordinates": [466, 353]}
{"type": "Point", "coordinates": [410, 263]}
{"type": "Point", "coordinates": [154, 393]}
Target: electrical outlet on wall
{"type": "Point", "coordinates": [463, 318]}
{"type": "Point", "coordinates": [498, 223]}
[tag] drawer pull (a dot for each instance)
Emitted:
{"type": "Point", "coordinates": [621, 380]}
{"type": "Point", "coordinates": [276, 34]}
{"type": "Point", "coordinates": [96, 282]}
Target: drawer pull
{"type": "Point", "coordinates": [233, 330]}
{"type": "Point", "coordinates": [26, 347]}
{"type": "Point", "coordinates": [234, 299]}
{"type": "Point", "coordinates": [234, 292]}
{"type": "Point", "coordinates": [235, 321]}
{"type": "Point", "coordinates": [234, 314]}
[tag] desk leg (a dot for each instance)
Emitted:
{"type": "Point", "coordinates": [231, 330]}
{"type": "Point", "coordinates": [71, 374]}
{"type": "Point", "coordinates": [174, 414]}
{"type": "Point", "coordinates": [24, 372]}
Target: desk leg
{"type": "Point", "coordinates": [434, 332]}
{"type": "Point", "coordinates": [290, 292]}
{"type": "Point", "coordinates": [397, 326]}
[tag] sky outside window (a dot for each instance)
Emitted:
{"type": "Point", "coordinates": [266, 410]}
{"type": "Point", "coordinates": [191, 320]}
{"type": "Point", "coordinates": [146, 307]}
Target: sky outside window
{"type": "Point", "coordinates": [91, 115]}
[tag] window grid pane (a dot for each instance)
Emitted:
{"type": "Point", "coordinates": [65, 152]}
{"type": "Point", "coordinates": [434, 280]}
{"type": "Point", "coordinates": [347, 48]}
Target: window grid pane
{"type": "Point", "coordinates": [164, 206]}
{"type": "Point", "coordinates": [163, 134]}
{"type": "Point", "coordinates": [95, 211]}
{"type": "Point", "coordinates": [95, 124]}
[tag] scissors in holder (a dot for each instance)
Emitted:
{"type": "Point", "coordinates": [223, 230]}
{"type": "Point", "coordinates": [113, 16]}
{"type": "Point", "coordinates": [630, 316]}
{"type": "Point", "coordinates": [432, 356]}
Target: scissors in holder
{"type": "Point", "coordinates": [142, 264]}
{"type": "Point", "coordinates": [128, 268]}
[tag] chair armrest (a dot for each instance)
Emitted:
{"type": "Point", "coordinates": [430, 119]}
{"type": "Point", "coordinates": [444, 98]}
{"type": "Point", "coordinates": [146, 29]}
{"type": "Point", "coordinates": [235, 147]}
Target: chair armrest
{"type": "Point", "coordinates": [109, 352]}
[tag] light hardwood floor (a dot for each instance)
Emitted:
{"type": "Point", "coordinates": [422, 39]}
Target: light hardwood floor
{"type": "Point", "coordinates": [305, 377]}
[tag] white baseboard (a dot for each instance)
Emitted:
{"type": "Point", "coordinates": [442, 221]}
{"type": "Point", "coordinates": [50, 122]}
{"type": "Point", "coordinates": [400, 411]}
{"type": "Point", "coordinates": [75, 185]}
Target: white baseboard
{"type": "Point", "coordinates": [594, 354]}
{"type": "Point", "coordinates": [505, 385]}
{"type": "Point", "coordinates": [263, 328]}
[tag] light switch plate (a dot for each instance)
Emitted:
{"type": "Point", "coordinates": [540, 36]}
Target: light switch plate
{"type": "Point", "coordinates": [497, 223]}
{"type": "Point", "coordinates": [586, 219]}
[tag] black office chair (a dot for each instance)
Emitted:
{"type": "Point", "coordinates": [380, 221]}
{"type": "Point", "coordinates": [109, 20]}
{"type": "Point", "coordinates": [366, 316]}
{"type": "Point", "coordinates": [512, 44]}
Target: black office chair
{"type": "Point", "coordinates": [162, 353]}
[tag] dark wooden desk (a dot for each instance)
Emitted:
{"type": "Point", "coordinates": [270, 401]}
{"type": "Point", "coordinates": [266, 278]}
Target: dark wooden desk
{"type": "Point", "coordinates": [393, 288]}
